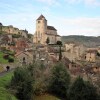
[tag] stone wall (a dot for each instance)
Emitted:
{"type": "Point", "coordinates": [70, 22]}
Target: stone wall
{"type": "Point", "coordinates": [12, 30]}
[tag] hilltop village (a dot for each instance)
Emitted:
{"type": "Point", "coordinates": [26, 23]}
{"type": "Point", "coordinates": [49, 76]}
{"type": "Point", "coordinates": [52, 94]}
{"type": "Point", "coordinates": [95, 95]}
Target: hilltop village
{"type": "Point", "coordinates": [18, 48]}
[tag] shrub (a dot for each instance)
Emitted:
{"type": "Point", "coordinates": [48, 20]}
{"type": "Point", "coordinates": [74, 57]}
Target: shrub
{"type": "Point", "coordinates": [6, 56]}
{"type": "Point", "coordinates": [60, 80]}
{"type": "Point", "coordinates": [11, 60]}
{"type": "Point", "coordinates": [22, 81]}
{"type": "Point", "coordinates": [81, 90]}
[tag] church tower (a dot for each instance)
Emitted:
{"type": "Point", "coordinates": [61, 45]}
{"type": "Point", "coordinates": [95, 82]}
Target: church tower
{"type": "Point", "coordinates": [41, 29]}
{"type": "Point", "coordinates": [44, 32]}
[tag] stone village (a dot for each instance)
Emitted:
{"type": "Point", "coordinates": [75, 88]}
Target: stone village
{"type": "Point", "coordinates": [42, 46]}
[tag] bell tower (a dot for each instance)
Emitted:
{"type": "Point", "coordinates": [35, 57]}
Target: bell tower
{"type": "Point", "coordinates": [41, 29]}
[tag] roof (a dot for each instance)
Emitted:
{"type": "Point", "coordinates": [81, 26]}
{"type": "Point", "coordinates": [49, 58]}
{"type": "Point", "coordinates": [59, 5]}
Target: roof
{"type": "Point", "coordinates": [0, 24]}
{"type": "Point", "coordinates": [92, 51]}
{"type": "Point", "coordinates": [41, 16]}
{"type": "Point", "coordinates": [51, 28]}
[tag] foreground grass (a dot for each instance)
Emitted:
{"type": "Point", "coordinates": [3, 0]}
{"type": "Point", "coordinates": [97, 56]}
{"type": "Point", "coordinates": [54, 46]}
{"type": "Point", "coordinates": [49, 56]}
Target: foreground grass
{"type": "Point", "coordinates": [4, 93]}
{"type": "Point", "coordinates": [46, 97]}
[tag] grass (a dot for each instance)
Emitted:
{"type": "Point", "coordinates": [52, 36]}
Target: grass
{"type": "Point", "coordinates": [2, 60]}
{"type": "Point", "coordinates": [1, 69]}
{"type": "Point", "coordinates": [46, 97]}
{"type": "Point", "coordinates": [4, 93]}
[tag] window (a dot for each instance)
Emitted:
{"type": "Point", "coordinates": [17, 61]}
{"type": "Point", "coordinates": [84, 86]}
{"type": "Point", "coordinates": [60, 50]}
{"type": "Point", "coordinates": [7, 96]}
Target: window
{"type": "Point", "coordinates": [23, 58]}
{"type": "Point", "coordinates": [38, 22]}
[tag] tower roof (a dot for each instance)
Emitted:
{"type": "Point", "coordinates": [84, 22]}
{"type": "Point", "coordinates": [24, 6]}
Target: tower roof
{"type": "Point", "coordinates": [41, 16]}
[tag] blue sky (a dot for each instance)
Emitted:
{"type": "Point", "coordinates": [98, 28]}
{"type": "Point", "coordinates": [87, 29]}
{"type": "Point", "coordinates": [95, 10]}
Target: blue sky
{"type": "Point", "coordinates": [69, 17]}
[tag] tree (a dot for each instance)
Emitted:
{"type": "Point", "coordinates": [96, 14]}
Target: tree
{"type": "Point", "coordinates": [60, 53]}
{"type": "Point", "coordinates": [60, 80]}
{"type": "Point", "coordinates": [81, 90]}
{"type": "Point", "coordinates": [11, 60]}
{"type": "Point", "coordinates": [22, 82]}
{"type": "Point", "coordinates": [47, 40]}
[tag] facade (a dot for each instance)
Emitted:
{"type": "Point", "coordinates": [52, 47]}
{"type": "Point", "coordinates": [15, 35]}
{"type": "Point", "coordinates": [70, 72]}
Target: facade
{"type": "Point", "coordinates": [91, 55]}
{"type": "Point", "coordinates": [12, 30]}
{"type": "Point", "coordinates": [43, 31]}
{"type": "Point", "coordinates": [24, 57]}
{"type": "Point", "coordinates": [73, 51]}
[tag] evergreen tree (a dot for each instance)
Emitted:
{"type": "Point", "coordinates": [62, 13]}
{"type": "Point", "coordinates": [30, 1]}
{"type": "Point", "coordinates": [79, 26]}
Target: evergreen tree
{"type": "Point", "coordinates": [23, 82]}
{"type": "Point", "coordinates": [81, 90]}
{"type": "Point", "coordinates": [60, 53]}
{"type": "Point", "coordinates": [60, 80]}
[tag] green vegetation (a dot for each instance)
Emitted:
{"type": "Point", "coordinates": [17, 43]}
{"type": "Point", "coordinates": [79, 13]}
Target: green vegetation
{"type": "Point", "coordinates": [60, 80]}
{"type": "Point", "coordinates": [16, 35]}
{"type": "Point", "coordinates": [4, 92]}
{"type": "Point", "coordinates": [22, 82]}
{"type": "Point", "coordinates": [1, 69]}
{"type": "Point", "coordinates": [88, 41]}
{"type": "Point", "coordinates": [2, 60]}
{"type": "Point", "coordinates": [6, 56]}
{"type": "Point", "coordinates": [81, 90]}
{"type": "Point", "coordinates": [38, 82]}
{"type": "Point", "coordinates": [59, 43]}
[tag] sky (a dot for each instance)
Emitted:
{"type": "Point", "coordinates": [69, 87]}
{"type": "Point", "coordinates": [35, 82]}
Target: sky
{"type": "Point", "coordinates": [69, 17]}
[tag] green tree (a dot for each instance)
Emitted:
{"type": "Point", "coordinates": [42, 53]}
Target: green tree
{"type": "Point", "coordinates": [23, 83]}
{"type": "Point", "coordinates": [60, 80]}
{"type": "Point", "coordinates": [81, 90]}
{"type": "Point", "coordinates": [47, 40]}
{"type": "Point", "coordinates": [60, 53]}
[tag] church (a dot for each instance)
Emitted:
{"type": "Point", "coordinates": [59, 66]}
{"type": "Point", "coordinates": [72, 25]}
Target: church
{"type": "Point", "coordinates": [44, 32]}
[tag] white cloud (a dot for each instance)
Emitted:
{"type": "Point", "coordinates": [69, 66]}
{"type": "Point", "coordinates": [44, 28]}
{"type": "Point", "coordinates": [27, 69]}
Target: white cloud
{"type": "Point", "coordinates": [78, 26]}
{"type": "Point", "coordinates": [86, 2]}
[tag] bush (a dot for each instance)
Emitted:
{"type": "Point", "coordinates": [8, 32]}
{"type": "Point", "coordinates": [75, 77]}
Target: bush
{"type": "Point", "coordinates": [11, 60]}
{"type": "Point", "coordinates": [81, 90]}
{"type": "Point", "coordinates": [16, 36]}
{"type": "Point", "coordinates": [60, 80]}
{"type": "Point", "coordinates": [22, 81]}
{"type": "Point", "coordinates": [6, 56]}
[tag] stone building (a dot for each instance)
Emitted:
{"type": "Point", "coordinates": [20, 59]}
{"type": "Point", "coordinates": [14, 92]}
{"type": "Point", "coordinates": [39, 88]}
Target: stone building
{"type": "Point", "coordinates": [91, 55]}
{"type": "Point", "coordinates": [12, 30]}
{"type": "Point", "coordinates": [24, 57]}
{"type": "Point", "coordinates": [74, 51]}
{"type": "Point", "coordinates": [43, 31]}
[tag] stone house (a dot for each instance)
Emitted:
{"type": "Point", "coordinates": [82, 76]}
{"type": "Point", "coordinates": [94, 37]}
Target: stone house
{"type": "Point", "coordinates": [43, 31]}
{"type": "Point", "coordinates": [91, 55]}
{"type": "Point", "coordinates": [24, 57]}
{"type": "Point", "coordinates": [74, 51]}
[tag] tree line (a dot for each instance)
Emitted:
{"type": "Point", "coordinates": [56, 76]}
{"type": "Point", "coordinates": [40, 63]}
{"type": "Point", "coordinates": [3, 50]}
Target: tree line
{"type": "Point", "coordinates": [37, 79]}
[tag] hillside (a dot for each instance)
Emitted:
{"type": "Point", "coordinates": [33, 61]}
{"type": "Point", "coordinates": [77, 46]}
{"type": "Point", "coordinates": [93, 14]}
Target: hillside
{"type": "Point", "coordinates": [88, 41]}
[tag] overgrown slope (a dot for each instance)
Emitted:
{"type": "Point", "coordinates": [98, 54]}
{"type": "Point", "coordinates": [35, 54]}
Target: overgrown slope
{"type": "Point", "coordinates": [89, 41]}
